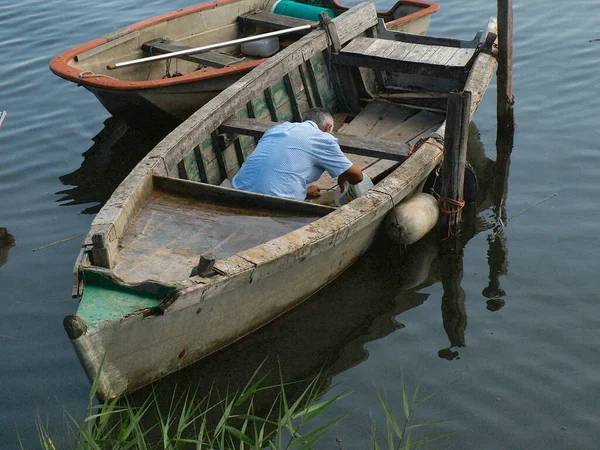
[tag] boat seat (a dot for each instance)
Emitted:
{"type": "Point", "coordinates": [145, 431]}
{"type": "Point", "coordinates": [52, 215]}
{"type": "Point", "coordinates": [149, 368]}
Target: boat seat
{"type": "Point", "coordinates": [213, 59]}
{"type": "Point", "coordinates": [421, 66]}
{"type": "Point", "coordinates": [274, 21]}
{"type": "Point", "coordinates": [355, 145]}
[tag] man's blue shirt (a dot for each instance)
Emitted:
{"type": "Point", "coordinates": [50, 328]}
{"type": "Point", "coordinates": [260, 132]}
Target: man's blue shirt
{"type": "Point", "coordinates": [288, 157]}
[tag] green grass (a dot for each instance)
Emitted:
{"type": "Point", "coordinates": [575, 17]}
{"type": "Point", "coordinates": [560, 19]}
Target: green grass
{"type": "Point", "coordinates": [228, 422]}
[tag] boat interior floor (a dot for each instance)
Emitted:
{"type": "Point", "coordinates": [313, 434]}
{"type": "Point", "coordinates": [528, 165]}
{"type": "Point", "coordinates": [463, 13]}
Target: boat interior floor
{"type": "Point", "coordinates": [165, 240]}
{"type": "Point", "coordinates": [383, 120]}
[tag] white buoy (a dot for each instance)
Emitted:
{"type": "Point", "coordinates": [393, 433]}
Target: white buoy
{"type": "Point", "coordinates": [412, 219]}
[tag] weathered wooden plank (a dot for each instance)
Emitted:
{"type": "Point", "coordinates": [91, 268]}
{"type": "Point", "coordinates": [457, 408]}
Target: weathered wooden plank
{"type": "Point", "coordinates": [376, 119]}
{"type": "Point", "coordinates": [269, 100]}
{"type": "Point", "coordinates": [209, 58]}
{"type": "Point", "coordinates": [347, 84]}
{"type": "Point", "coordinates": [306, 85]}
{"type": "Point", "coordinates": [427, 40]}
{"type": "Point", "coordinates": [289, 86]}
{"type": "Point", "coordinates": [182, 173]}
{"type": "Point", "coordinates": [274, 21]}
{"type": "Point", "coordinates": [481, 72]}
{"type": "Point", "coordinates": [396, 65]}
{"type": "Point", "coordinates": [358, 45]}
{"type": "Point", "coordinates": [221, 195]}
{"type": "Point", "coordinates": [379, 48]}
{"type": "Point", "coordinates": [362, 125]}
{"type": "Point", "coordinates": [442, 55]}
{"type": "Point", "coordinates": [416, 82]}
{"type": "Point", "coordinates": [313, 85]}
{"type": "Point", "coordinates": [200, 164]}
{"type": "Point", "coordinates": [462, 57]}
{"type": "Point", "coordinates": [349, 144]}
{"type": "Point", "coordinates": [421, 53]}
{"type": "Point", "coordinates": [400, 51]}
{"type": "Point", "coordinates": [191, 167]}
{"type": "Point", "coordinates": [413, 126]}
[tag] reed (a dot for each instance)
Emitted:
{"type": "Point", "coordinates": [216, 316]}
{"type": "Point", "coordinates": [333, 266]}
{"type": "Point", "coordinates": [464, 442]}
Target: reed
{"type": "Point", "coordinates": [399, 432]}
{"type": "Point", "coordinates": [209, 422]}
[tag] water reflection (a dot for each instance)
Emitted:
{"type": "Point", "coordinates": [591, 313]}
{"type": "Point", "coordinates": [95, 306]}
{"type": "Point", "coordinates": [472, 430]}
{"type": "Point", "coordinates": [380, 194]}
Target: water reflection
{"type": "Point", "coordinates": [489, 212]}
{"type": "Point", "coordinates": [326, 335]}
{"type": "Point", "coordinates": [115, 152]}
{"type": "Point", "coordinates": [7, 241]}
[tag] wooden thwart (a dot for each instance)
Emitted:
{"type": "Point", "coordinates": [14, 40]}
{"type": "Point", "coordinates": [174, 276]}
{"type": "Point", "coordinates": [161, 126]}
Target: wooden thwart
{"type": "Point", "coordinates": [234, 197]}
{"type": "Point", "coordinates": [210, 58]}
{"type": "Point", "coordinates": [356, 145]}
{"type": "Point", "coordinates": [406, 57]}
{"type": "Point", "coordinates": [274, 21]}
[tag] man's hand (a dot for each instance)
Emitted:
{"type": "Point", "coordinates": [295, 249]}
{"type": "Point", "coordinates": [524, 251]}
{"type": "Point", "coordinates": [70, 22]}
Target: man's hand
{"type": "Point", "coordinates": [313, 192]}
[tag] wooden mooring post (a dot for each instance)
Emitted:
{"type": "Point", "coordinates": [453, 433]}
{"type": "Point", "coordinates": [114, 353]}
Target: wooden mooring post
{"type": "Point", "coordinates": [455, 159]}
{"type": "Point", "coordinates": [505, 110]}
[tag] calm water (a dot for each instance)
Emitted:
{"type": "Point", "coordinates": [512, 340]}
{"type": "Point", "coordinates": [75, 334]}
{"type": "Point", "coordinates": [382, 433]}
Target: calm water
{"type": "Point", "coordinates": [522, 376]}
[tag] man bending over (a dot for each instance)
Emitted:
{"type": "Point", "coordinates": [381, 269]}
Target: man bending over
{"type": "Point", "coordinates": [289, 156]}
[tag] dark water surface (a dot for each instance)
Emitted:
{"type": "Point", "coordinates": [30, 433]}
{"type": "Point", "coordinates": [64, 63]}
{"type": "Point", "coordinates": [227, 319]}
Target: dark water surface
{"type": "Point", "coordinates": [514, 363]}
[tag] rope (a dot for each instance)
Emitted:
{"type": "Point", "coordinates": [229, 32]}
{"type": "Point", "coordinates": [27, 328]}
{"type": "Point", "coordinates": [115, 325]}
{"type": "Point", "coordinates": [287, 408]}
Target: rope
{"type": "Point", "coordinates": [459, 206]}
{"type": "Point", "coordinates": [90, 74]}
{"type": "Point", "coordinates": [439, 143]}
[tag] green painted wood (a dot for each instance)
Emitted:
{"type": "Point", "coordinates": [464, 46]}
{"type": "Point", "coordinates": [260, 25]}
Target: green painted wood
{"type": "Point", "coordinates": [191, 167]}
{"type": "Point", "coordinates": [105, 300]}
{"type": "Point", "coordinates": [200, 164]}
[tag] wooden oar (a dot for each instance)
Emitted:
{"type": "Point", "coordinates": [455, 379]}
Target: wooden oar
{"type": "Point", "coordinates": [210, 46]}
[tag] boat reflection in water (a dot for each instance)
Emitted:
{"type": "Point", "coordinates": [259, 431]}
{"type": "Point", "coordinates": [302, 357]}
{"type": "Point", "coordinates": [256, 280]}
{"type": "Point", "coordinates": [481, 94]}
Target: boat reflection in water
{"type": "Point", "coordinates": [7, 241]}
{"type": "Point", "coordinates": [115, 152]}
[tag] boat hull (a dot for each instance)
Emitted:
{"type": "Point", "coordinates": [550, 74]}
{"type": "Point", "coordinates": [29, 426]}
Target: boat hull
{"type": "Point", "coordinates": [136, 97]}
{"type": "Point", "coordinates": [138, 350]}
{"type": "Point", "coordinates": [170, 103]}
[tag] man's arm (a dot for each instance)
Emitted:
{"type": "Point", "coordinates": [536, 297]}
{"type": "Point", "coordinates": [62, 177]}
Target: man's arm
{"type": "Point", "coordinates": [353, 176]}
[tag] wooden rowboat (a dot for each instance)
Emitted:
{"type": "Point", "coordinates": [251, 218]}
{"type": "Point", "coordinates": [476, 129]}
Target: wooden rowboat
{"type": "Point", "coordinates": [172, 89]}
{"type": "Point", "coordinates": [148, 307]}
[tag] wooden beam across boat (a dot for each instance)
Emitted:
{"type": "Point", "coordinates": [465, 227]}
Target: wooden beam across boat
{"type": "Point", "coordinates": [405, 57]}
{"type": "Point", "coordinates": [227, 196]}
{"type": "Point", "coordinates": [213, 59]}
{"type": "Point", "coordinates": [274, 21]}
{"type": "Point", "coordinates": [355, 145]}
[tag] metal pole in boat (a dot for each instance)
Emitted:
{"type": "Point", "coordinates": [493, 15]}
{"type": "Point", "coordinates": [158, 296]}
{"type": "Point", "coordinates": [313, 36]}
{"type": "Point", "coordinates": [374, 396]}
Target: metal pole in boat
{"type": "Point", "coordinates": [205, 48]}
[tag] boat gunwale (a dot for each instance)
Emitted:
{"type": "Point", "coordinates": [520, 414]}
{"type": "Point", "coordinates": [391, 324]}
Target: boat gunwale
{"type": "Point", "coordinates": [59, 64]}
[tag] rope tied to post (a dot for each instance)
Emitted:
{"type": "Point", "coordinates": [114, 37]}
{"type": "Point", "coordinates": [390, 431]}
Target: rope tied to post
{"type": "Point", "coordinates": [449, 212]}
{"type": "Point", "coordinates": [439, 143]}
{"type": "Point", "coordinates": [458, 204]}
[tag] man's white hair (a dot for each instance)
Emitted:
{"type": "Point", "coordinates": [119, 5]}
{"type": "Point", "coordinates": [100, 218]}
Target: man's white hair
{"type": "Point", "coordinates": [320, 116]}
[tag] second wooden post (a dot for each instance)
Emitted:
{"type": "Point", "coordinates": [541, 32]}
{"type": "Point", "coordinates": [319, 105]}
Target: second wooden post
{"type": "Point", "coordinates": [455, 159]}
